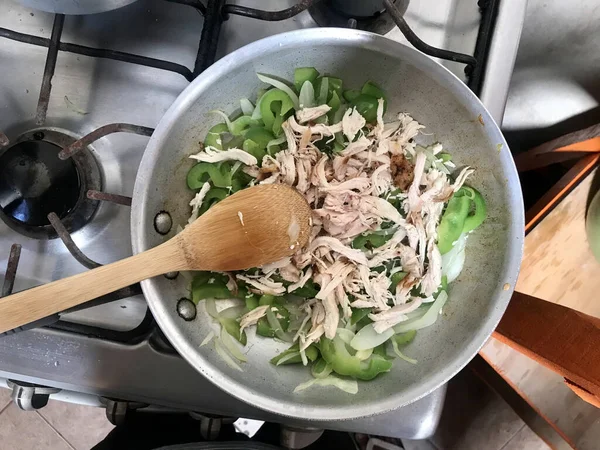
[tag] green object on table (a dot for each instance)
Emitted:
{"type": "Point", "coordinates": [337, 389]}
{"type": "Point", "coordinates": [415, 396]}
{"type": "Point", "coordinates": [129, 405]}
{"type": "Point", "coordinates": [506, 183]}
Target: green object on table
{"type": "Point", "coordinates": [336, 354]}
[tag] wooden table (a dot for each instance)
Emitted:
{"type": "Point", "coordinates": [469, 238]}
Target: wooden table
{"type": "Point", "coordinates": [559, 267]}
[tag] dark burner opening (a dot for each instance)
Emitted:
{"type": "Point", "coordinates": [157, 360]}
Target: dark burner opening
{"type": "Point", "coordinates": [35, 182]}
{"type": "Point", "coordinates": [368, 15]}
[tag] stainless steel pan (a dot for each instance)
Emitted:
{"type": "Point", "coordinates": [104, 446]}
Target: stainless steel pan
{"type": "Point", "coordinates": [453, 116]}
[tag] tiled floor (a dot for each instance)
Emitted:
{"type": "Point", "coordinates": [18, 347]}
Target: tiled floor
{"type": "Point", "coordinates": [58, 426]}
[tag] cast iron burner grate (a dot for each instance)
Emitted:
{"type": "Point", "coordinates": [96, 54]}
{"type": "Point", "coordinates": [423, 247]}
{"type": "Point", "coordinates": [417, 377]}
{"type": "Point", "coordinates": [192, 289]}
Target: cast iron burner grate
{"type": "Point", "coordinates": [215, 13]}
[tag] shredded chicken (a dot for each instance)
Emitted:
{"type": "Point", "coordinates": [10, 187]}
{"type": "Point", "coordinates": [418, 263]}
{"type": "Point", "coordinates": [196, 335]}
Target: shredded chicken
{"type": "Point", "coordinates": [308, 114]}
{"type": "Point", "coordinates": [212, 155]}
{"type": "Point", "coordinates": [382, 182]}
{"type": "Point", "coordinates": [252, 317]}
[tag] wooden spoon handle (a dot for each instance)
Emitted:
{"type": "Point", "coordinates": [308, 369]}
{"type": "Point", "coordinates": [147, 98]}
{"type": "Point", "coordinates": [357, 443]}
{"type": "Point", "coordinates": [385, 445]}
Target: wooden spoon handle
{"type": "Point", "coordinates": [36, 303]}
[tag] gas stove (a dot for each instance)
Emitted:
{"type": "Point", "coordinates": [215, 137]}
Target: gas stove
{"type": "Point", "coordinates": [79, 97]}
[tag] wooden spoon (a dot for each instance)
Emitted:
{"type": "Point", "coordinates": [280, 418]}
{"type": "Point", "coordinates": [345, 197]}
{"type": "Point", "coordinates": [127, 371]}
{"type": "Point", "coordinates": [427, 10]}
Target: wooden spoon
{"type": "Point", "coordinates": [251, 228]}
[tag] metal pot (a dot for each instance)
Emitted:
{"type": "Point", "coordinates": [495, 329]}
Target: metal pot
{"type": "Point", "coordinates": [75, 7]}
{"type": "Point", "coordinates": [453, 115]}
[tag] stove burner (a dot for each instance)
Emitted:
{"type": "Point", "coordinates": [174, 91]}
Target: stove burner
{"type": "Point", "coordinates": [34, 182]}
{"type": "Point", "coordinates": [368, 15]}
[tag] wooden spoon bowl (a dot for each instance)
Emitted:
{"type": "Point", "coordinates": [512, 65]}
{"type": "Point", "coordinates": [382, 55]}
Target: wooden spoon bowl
{"type": "Point", "coordinates": [251, 228]}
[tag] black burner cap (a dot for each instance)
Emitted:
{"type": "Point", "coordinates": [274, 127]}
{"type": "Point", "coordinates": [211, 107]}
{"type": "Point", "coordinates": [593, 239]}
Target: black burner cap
{"type": "Point", "coordinates": [35, 182]}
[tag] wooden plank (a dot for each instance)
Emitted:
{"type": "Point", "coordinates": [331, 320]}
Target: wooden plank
{"type": "Point", "coordinates": [558, 266]}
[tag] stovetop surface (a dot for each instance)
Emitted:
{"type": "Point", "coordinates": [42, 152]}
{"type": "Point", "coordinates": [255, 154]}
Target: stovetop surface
{"type": "Point", "coordinates": [90, 92]}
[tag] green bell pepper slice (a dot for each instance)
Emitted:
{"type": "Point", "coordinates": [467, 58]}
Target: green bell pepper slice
{"type": "Point", "coordinates": [320, 368]}
{"type": "Point", "coordinates": [213, 137]}
{"type": "Point", "coordinates": [242, 123]}
{"type": "Point", "coordinates": [350, 95]}
{"type": "Point", "coordinates": [404, 338]}
{"type": "Point", "coordinates": [335, 353]}
{"type": "Point", "coordinates": [254, 149]}
{"type": "Point", "coordinates": [260, 135]}
{"type": "Point", "coordinates": [397, 278]}
{"type": "Point", "coordinates": [292, 355]}
{"type": "Point", "coordinates": [302, 74]}
{"type": "Point", "coordinates": [370, 88]}
{"type": "Point", "coordinates": [334, 103]}
{"type": "Point", "coordinates": [335, 85]}
{"type": "Point", "coordinates": [219, 174]}
{"type": "Point", "coordinates": [274, 105]}
{"type": "Point", "coordinates": [445, 157]}
{"type": "Point", "coordinates": [233, 328]}
{"type": "Point", "coordinates": [370, 241]}
{"type": "Point", "coordinates": [309, 290]}
{"type": "Point", "coordinates": [209, 285]}
{"type": "Point", "coordinates": [264, 329]}
{"type": "Point", "coordinates": [453, 221]}
{"type": "Point", "coordinates": [266, 299]}
{"type": "Point", "coordinates": [478, 212]}
{"type": "Point", "coordinates": [366, 105]}
{"type": "Point", "coordinates": [358, 314]}
{"type": "Point", "coordinates": [251, 302]}
{"type": "Point", "coordinates": [212, 197]}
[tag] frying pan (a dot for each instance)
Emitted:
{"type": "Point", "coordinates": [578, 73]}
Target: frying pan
{"type": "Point", "coordinates": [452, 114]}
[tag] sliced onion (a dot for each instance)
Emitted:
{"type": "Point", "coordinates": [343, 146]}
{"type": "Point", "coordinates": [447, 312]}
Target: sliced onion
{"type": "Point", "coordinates": [345, 335]}
{"type": "Point", "coordinates": [257, 115]}
{"type": "Point", "coordinates": [233, 312]}
{"type": "Point", "coordinates": [401, 355]}
{"type": "Point", "coordinates": [303, 357]}
{"type": "Point", "coordinates": [211, 308]}
{"type": "Point", "coordinates": [428, 319]}
{"type": "Point", "coordinates": [307, 95]}
{"type": "Point", "coordinates": [247, 107]}
{"type": "Point", "coordinates": [230, 344]}
{"type": "Point", "coordinates": [367, 338]}
{"type": "Point", "coordinates": [323, 93]}
{"type": "Point", "coordinates": [209, 337]}
{"type": "Point", "coordinates": [349, 386]}
{"type": "Point", "coordinates": [274, 323]}
{"type": "Point", "coordinates": [286, 358]}
{"type": "Point", "coordinates": [225, 356]}
{"type": "Point", "coordinates": [225, 118]}
{"type": "Point", "coordinates": [364, 354]}
{"type": "Point", "coordinates": [454, 261]}
{"type": "Point", "coordinates": [280, 85]}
